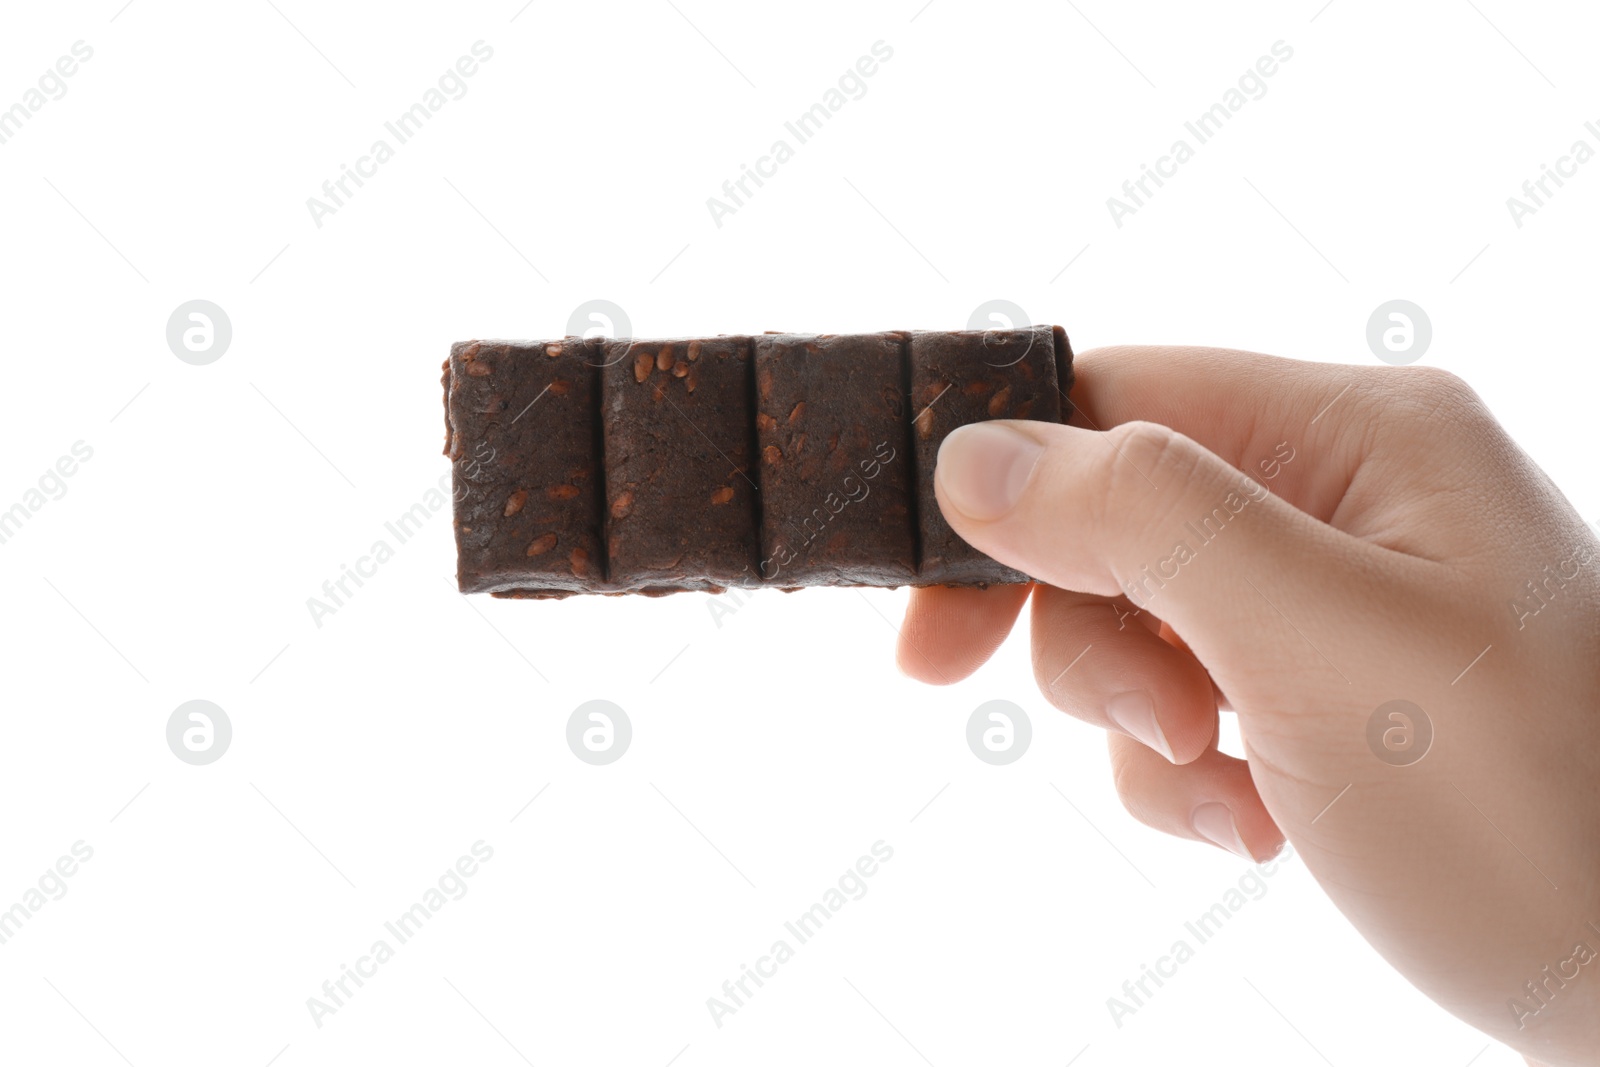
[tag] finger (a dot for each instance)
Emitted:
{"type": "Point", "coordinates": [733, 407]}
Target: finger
{"type": "Point", "coordinates": [1212, 799]}
{"type": "Point", "coordinates": [950, 632]}
{"type": "Point", "coordinates": [1169, 635]}
{"type": "Point", "coordinates": [1093, 661]}
{"type": "Point", "coordinates": [1258, 413]}
{"type": "Point", "coordinates": [1340, 443]}
{"type": "Point", "coordinates": [1203, 391]}
{"type": "Point", "coordinates": [1173, 638]}
{"type": "Point", "coordinates": [1159, 518]}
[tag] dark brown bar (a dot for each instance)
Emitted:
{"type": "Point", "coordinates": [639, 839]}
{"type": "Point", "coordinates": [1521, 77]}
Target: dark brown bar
{"type": "Point", "coordinates": [965, 377]}
{"type": "Point", "coordinates": [682, 509]}
{"type": "Point", "coordinates": [836, 478]}
{"type": "Point", "coordinates": [784, 460]}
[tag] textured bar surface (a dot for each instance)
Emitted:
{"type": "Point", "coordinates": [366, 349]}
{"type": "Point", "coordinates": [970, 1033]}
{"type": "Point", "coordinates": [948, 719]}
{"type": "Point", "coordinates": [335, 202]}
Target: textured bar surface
{"type": "Point", "coordinates": [782, 460]}
{"type": "Point", "coordinates": [960, 378]}
{"type": "Point", "coordinates": [836, 480]}
{"type": "Point", "coordinates": [526, 461]}
{"type": "Point", "coordinates": [681, 505]}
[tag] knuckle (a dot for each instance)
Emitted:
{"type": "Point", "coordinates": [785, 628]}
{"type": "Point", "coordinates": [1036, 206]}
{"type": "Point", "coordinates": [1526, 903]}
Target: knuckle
{"type": "Point", "coordinates": [1151, 473]}
{"type": "Point", "coordinates": [1152, 451]}
{"type": "Point", "coordinates": [1429, 391]}
{"type": "Point", "coordinates": [1427, 376]}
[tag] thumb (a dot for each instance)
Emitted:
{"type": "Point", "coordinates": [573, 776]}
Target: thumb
{"type": "Point", "coordinates": [1144, 512]}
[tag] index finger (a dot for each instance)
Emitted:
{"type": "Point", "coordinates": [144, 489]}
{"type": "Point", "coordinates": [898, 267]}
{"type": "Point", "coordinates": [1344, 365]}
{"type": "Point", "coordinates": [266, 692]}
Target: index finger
{"type": "Point", "coordinates": [1252, 410]}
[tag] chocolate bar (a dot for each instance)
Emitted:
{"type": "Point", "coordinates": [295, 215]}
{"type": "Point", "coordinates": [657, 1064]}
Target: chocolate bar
{"type": "Point", "coordinates": [782, 460]}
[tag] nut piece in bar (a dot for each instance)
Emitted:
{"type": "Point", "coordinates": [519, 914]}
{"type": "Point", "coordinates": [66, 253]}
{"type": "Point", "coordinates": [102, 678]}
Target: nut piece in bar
{"type": "Point", "coordinates": [836, 479]}
{"type": "Point", "coordinates": [960, 378]}
{"type": "Point", "coordinates": [525, 457]}
{"type": "Point", "coordinates": [681, 508]}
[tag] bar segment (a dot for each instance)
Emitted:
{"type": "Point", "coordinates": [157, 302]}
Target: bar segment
{"type": "Point", "coordinates": [682, 506]}
{"type": "Point", "coordinates": [964, 377]}
{"type": "Point", "coordinates": [836, 482]}
{"type": "Point", "coordinates": [524, 450]}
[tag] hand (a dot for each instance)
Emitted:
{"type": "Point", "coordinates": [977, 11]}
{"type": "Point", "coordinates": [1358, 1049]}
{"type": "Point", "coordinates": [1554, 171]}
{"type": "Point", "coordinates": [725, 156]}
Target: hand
{"type": "Point", "coordinates": [1302, 544]}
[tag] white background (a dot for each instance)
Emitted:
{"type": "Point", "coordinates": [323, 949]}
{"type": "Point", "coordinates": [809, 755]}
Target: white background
{"type": "Point", "coordinates": [771, 751]}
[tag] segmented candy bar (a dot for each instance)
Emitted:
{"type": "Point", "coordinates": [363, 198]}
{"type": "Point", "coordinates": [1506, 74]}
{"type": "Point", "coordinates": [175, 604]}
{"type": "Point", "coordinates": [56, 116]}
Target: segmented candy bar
{"type": "Point", "coordinates": [782, 460]}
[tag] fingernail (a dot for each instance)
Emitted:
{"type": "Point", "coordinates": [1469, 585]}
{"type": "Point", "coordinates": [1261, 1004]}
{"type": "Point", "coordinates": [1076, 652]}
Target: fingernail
{"type": "Point", "coordinates": [1135, 712]}
{"type": "Point", "coordinates": [983, 468]}
{"type": "Point", "coordinates": [1214, 822]}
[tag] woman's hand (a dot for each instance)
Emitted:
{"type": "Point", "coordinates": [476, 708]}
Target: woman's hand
{"type": "Point", "coordinates": [1401, 608]}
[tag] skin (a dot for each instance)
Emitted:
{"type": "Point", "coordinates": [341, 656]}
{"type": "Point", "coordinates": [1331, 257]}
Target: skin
{"type": "Point", "coordinates": [1377, 562]}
